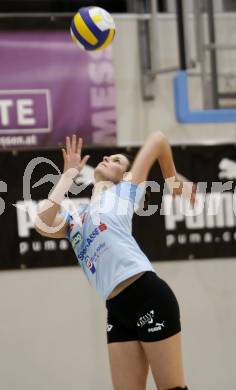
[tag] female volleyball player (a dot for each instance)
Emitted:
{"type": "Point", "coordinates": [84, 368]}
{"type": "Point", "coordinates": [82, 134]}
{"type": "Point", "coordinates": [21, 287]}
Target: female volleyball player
{"type": "Point", "coordinates": [143, 323]}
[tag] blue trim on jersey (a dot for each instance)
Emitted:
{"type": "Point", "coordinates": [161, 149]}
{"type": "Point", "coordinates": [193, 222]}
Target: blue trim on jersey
{"type": "Point", "coordinates": [68, 227]}
{"type": "Point", "coordinates": [132, 189]}
{"type": "Point", "coordinates": [118, 189]}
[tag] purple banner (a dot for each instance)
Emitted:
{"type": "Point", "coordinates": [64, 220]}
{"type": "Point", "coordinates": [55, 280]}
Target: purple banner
{"type": "Point", "coordinates": [50, 88]}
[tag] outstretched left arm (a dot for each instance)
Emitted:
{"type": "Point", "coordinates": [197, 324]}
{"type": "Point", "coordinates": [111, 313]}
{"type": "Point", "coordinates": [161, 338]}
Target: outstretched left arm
{"type": "Point", "coordinates": [155, 148]}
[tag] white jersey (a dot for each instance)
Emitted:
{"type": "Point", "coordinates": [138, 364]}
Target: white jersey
{"type": "Point", "coordinates": [101, 236]}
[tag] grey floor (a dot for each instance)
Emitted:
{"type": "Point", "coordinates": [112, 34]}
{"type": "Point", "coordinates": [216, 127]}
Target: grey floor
{"type": "Point", "coordinates": [52, 328]}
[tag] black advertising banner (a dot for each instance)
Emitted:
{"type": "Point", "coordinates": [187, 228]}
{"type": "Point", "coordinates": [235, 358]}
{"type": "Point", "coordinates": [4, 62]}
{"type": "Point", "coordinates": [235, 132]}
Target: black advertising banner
{"type": "Point", "coordinates": [169, 233]}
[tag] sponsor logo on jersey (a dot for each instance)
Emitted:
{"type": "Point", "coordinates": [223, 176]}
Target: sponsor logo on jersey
{"type": "Point", "coordinates": [76, 239]}
{"type": "Point", "coordinates": [89, 240]}
{"type": "Point", "coordinates": [102, 227]}
{"type": "Point", "coordinates": [93, 260]}
{"type": "Point", "coordinates": [90, 265]}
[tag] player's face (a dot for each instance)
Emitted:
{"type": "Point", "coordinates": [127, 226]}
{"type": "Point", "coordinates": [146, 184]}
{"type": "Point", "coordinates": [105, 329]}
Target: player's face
{"type": "Point", "coordinates": [111, 168]}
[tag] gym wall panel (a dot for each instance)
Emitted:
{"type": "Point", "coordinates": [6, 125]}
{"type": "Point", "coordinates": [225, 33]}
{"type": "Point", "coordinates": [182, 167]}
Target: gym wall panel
{"type": "Point", "coordinates": [138, 118]}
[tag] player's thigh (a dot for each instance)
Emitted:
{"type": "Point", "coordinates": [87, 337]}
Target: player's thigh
{"type": "Point", "coordinates": [129, 365]}
{"type": "Point", "coordinates": [165, 359]}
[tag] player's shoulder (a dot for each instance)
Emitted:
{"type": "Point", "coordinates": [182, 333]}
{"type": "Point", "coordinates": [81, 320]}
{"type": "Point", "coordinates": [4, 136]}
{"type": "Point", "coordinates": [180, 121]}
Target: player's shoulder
{"type": "Point", "coordinates": [130, 190]}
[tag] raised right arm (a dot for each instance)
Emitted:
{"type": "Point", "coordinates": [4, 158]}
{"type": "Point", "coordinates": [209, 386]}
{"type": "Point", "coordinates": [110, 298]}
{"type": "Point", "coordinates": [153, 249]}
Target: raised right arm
{"type": "Point", "coordinates": [48, 222]}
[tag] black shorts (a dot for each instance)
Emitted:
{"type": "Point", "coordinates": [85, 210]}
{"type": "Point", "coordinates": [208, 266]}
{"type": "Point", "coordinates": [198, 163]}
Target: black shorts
{"type": "Point", "coordinates": [146, 310]}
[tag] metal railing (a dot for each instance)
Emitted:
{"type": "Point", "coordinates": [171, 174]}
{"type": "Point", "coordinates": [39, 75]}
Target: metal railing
{"type": "Point", "coordinates": [211, 47]}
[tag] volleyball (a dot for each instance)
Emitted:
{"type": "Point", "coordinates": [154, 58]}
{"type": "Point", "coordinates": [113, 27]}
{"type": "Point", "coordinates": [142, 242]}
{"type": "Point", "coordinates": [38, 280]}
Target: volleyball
{"type": "Point", "coordinates": [92, 28]}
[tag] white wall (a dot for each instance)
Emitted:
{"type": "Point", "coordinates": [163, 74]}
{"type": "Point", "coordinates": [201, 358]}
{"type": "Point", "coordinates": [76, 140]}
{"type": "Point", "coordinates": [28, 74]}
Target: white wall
{"type": "Point", "coordinates": [138, 118]}
{"type": "Point", "coordinates": [52, 329]}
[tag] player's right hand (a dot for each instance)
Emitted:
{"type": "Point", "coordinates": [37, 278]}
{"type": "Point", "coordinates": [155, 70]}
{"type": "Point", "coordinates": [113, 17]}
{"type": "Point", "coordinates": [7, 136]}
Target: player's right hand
{"type": "Point", "coordinates": [73, 163]}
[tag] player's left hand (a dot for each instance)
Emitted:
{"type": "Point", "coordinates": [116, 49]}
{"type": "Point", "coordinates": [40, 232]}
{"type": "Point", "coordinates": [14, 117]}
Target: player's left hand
{"type": "Point", "coordinates": [181, 186]}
